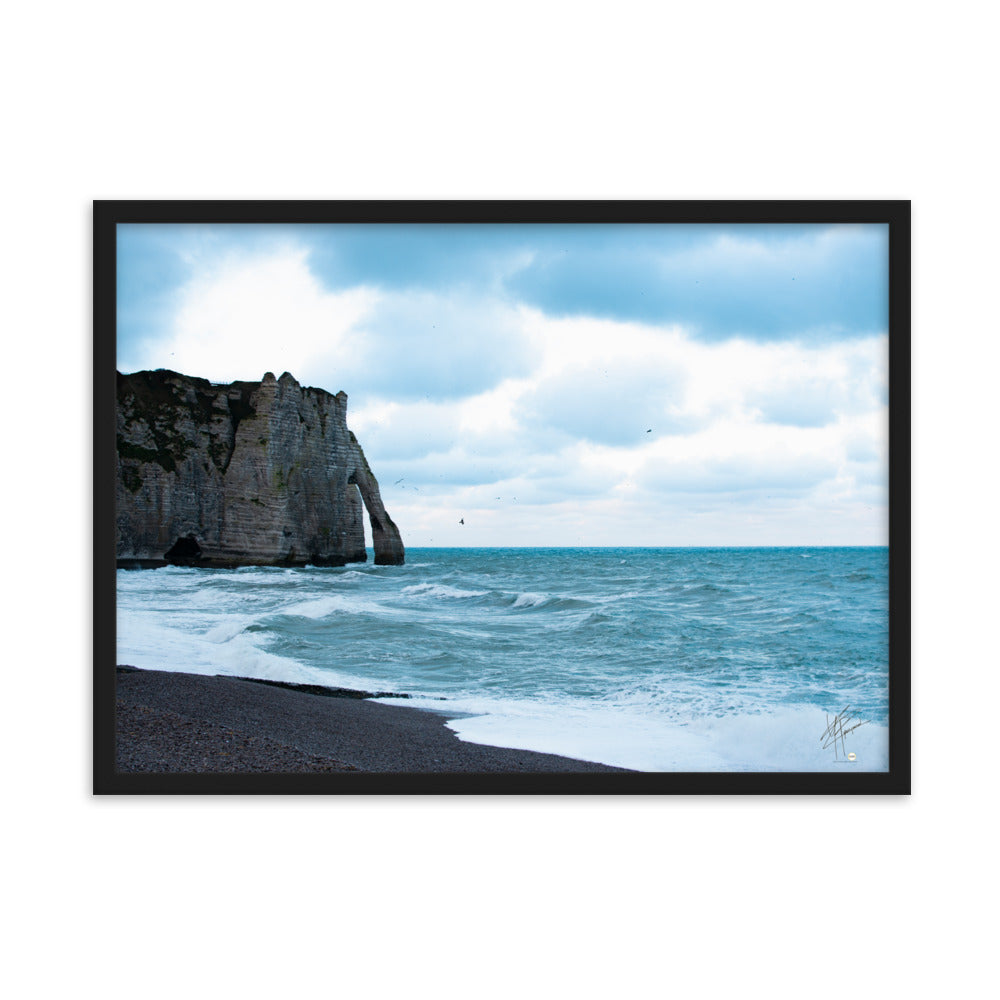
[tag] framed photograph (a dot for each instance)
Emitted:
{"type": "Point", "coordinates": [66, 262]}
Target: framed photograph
{"type": "Point", "coordinates": [502, 497]}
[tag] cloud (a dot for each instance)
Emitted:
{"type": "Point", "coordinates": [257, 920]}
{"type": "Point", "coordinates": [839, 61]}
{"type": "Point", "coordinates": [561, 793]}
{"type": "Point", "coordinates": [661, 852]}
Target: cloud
{"type": "Point", "coordinates": [407, 431]}
{"type": "Point", "coordinates": [439, 471]}
{"type": "Point", "coordinates": [149, 272]}
{"type": "Point", "coordinates": [761, 283]}
{"type": "Point", "coordinates": [249, 314]}
{"type": "Point", "coordinates": [764, 283]}
{"type": "Point", "coordinates": [808, 404]}
{"type": "Point", "coordinates": [241, 313]}
{"type": "Point", "coordinates": [770, 473]}
{"type": "Point", "coordinates": [739, 423]}
{"type": "Point", "coordinates": [811, 388]}
{"type": "Point", "coordinates": [423, 257]}
{"type": "Point", "coordinates": [618, 404]}
{"type": "Point", "coordinates": [424, 345]}
{"type": "Point", "coordinates": [871, 473]}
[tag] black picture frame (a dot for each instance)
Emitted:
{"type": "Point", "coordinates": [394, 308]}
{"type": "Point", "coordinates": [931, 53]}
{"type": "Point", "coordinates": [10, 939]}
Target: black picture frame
{"type": "Point", "coordinates": [107, 215]}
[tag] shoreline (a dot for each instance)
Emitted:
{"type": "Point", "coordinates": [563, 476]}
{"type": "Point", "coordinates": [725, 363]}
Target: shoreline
{"type": "Point", "coordinates": [177, 723]}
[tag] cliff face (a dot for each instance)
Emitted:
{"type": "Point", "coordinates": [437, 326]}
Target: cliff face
{"type": "Point", "coordinates": [251, 473]}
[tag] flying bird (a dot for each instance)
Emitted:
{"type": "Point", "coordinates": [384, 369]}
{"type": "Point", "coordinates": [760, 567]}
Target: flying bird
{"type": "Point", "coordinates": [462, 521]}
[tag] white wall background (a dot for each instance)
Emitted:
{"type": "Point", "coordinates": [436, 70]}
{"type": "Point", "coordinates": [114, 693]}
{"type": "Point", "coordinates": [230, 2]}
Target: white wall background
{"type": "Point", "coordinates": [284, 897]}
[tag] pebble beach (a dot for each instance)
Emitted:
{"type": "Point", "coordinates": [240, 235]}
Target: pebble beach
{"type": "Point", "coordinates": [171, 723]}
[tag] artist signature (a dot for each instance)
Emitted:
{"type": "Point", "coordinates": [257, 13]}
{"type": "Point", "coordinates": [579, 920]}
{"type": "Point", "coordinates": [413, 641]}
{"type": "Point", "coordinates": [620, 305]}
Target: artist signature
{"type": "Point", "coordinates": [837, 728]}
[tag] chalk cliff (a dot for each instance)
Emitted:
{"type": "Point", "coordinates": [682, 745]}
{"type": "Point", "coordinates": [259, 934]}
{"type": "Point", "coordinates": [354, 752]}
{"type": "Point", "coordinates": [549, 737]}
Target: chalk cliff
{"type": "Point", "coordinates": [250, 473]}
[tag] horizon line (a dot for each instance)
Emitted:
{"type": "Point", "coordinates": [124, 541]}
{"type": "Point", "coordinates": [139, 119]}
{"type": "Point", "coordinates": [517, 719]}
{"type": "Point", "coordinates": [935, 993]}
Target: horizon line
{"type": "Point", "coordinates": [853, 545]}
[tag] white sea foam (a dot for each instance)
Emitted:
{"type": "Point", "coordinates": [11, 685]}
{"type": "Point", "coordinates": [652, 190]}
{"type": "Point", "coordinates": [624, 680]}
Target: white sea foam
{"type": "Point", "coordinates": [441, 590]}
{"type": "Point", "coordinates": [787, 740]}
{"type": "Point", "coordinates": [530, 600]}
{"type": "Point", "coordinates": [151, 647]}
{"type": "Point", "coordinates": [226, 629]}
{"type": "Point", "coordinates": [259, 576]}
{"type": "Point", "coordinates": [322, 607]}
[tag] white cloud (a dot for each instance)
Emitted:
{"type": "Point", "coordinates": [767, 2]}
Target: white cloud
{"type": "Point", "coordinates": [407, 430]}
{"type": "Point", "coordinates": [437, 346]}
{"type": "Point", "coordinates": [616, 405]}
{"type": "Point", "coordinates": [732, 476]}
{"type": "Point", "coordinates": [250, 314]}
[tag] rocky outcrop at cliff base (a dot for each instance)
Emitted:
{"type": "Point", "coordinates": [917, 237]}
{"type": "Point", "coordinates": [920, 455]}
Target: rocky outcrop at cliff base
{"type": "Point", "coordinates": [249, 473]}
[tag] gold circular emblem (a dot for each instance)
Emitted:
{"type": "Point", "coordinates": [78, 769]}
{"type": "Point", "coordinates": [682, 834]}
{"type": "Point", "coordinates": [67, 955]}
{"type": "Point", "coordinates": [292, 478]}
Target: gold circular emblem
{"type": "Point", "coordinates": [852, 756]}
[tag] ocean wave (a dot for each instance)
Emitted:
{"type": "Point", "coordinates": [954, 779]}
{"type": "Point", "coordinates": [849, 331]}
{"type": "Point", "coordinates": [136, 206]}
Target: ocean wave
{"type": "Point", "coordinates": [273, 578]}
{"type": "Point", "coordinates": [440, 590]}
{"type": "Point", "coordinates": [705, 588]}
{"type": "Point", "coordinates": [152, 647]}
{"type": "Point", "coordinates": [322, 607]}
{"type": "Point", "coordinates": [595, 618]}
{"type": "Point", "coordinates": [530, 600]}
{"type": "Point", "coordinates": [226, 630]}
{"type": "Point", "coordinates": [125, 574]}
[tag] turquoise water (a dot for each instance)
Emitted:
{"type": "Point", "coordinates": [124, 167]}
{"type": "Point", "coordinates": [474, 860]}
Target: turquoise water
{"type": "Point", "coordinates": [658, 659]}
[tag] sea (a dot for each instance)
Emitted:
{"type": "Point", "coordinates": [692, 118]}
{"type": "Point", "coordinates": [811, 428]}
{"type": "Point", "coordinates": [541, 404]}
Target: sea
{"type": "Point", "coordinates": [656, 659]}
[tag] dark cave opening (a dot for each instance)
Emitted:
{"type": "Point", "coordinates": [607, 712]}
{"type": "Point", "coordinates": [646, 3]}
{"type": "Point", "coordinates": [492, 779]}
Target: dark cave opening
{"type": "Point", "coordinates": [184, 552]}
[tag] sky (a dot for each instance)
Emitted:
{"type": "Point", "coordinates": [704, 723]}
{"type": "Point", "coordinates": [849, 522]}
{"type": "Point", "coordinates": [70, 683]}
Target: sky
{"type": "Point", "coordinates": [556, 384]}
